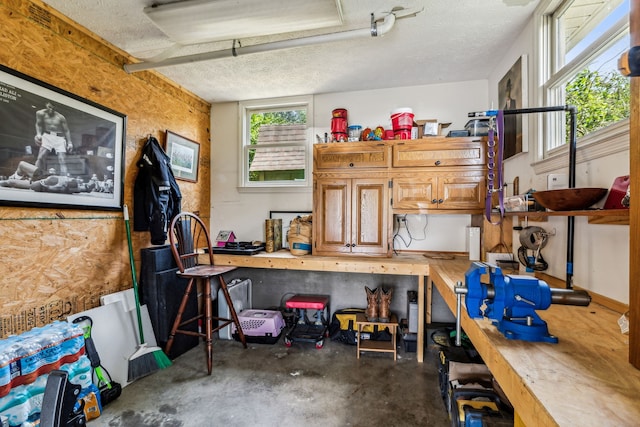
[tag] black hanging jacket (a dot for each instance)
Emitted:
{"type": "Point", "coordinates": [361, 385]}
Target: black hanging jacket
{"type": "Point", "coordinates": [157, 197]}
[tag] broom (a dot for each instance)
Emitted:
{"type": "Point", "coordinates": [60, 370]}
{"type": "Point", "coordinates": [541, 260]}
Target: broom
{"type": "Point", "coordinates": [146, 360]}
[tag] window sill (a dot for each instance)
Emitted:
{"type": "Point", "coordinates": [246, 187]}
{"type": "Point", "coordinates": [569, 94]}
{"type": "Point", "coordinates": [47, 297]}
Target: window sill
{"type": "Point", "coordinates": [605, 142]}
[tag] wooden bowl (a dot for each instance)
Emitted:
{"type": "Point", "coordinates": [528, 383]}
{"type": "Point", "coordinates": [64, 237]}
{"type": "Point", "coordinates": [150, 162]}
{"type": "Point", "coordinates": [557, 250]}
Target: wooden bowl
{"type": "Point", "coordinates": [569, 199]}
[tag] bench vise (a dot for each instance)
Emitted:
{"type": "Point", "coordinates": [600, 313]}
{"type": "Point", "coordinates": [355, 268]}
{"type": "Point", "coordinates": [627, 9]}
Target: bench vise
{"type": "Point", "coordinates": [511, 301]}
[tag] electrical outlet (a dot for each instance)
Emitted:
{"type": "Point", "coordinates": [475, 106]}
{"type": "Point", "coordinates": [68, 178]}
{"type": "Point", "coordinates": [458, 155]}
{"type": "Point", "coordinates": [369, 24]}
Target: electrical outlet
{"type": "Point", "coordinates": [557, 180]}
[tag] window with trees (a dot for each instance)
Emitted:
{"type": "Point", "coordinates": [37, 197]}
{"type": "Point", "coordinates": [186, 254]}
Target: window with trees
{"type": "Point", "coordinates": [582, 41]}
{"type": "Point", "coordinates": [276, 142]}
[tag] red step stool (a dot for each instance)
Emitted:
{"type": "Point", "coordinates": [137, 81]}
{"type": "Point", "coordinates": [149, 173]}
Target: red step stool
{"type": "Point", "coordinates": [306, 330]}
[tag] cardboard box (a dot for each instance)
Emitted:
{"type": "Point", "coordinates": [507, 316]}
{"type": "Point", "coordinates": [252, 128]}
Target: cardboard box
{"type": "Point", "coordinates": [430, 127]}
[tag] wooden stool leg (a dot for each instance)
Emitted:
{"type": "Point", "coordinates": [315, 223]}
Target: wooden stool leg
{"type": "Point", "coordinates": [208, 324]}
{"type": "Point", "coordinates": [176, 323]}
{"type": "Point", "coordinates": [232, 311]}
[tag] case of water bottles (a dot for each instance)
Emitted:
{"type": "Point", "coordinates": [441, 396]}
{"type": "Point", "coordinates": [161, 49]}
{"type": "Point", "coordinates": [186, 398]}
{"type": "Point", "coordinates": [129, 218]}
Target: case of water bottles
{"type": "Point", "coordinates": [26, 360]}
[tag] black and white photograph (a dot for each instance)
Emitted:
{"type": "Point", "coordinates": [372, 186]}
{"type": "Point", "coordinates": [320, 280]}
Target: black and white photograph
{"type": "Point", "coordinates": [57, 149]}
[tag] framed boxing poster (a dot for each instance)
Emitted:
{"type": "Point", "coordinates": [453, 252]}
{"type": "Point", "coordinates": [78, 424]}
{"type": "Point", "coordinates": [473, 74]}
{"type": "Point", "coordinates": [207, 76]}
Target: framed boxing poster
{"type": "Point", "coordinates": [58, 149]}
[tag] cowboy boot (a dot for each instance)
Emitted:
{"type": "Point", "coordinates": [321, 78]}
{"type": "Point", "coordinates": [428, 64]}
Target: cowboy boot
{"type": "Point", "coordinates": [385, 303]}
{"type": "Point", "coordinates": [372, 304]}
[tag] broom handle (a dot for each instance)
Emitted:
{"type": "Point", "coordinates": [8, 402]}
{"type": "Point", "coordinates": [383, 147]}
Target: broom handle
{"type": "Point", "coordinates": [133, 272]}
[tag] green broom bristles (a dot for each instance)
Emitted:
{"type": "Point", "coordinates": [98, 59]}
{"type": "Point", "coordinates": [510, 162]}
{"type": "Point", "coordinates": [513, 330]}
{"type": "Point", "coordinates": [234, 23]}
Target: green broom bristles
{"type": "Point", "coordinates": [145, 361]}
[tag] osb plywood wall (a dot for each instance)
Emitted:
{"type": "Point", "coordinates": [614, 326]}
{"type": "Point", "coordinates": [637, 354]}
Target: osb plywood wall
{"type": "Point", "coordinates": [56, 262]}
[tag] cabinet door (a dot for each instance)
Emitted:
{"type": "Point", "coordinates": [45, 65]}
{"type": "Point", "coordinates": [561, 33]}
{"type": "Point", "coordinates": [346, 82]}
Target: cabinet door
{"type": "Point", "coordinates": [370, 216]}
{"type": "Point", "coordinates": [418, 192]}
{"type": "Point", "coordinates": [332, 216]}
{"type": "Point", "coordinates": [461, 191]}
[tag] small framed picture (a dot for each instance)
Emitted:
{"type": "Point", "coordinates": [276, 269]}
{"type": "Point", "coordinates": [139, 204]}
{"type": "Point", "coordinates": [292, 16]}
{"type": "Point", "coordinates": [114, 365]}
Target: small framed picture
{"type": "Point", "coordinates": [184, 155]}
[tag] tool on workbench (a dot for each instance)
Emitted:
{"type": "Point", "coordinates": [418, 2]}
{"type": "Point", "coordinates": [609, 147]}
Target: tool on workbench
{"type": "Point", "coordinates": [511, 301]}
{"type": "Point", "coordinates": [533, 239]}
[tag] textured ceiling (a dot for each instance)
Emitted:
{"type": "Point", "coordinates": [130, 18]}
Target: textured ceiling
{"type": "Point", "coordinates": [447, 41]}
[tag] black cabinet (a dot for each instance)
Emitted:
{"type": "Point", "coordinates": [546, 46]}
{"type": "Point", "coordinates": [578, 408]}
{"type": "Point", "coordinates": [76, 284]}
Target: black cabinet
{"type": "Point", "coordinates": [161, 290]}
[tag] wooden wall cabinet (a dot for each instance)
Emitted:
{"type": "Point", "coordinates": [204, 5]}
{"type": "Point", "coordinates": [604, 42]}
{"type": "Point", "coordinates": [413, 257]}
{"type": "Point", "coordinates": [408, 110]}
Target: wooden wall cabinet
{"type": "Point", "coordinates": [358, 186]}
{"type": "Point", "coordinates": [438, 174]}
{"type": "Point", "coordinates": [351, 216]}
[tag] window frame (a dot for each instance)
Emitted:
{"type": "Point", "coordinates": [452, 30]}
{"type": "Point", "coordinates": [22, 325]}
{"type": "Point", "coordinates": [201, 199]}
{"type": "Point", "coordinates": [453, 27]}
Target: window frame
{"type": "Point", "coordinates": [246, 108]}
{"type": "Point", "coordinates": [553, 77]}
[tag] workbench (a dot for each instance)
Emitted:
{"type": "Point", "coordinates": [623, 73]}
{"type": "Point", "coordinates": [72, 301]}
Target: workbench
{"type": "Point", "coordinates": [584, 380]}
{"type": "Point", "coordinates": [402, 265]}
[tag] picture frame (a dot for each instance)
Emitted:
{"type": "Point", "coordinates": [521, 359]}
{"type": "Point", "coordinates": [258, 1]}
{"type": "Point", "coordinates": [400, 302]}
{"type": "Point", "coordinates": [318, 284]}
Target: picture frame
{"type": "Point", "coordinates": [184, 155]}
{"type": "Point", "coordinates": [286, 217]}
{"type": "Point", "coordinates": [58, 149]}
{"type": "Point", "coordinates": [512, 94]}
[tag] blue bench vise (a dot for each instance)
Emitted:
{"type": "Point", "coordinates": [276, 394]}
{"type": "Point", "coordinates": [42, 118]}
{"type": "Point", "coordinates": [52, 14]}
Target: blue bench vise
{"type": "Point", "coordinates": [511, 301]}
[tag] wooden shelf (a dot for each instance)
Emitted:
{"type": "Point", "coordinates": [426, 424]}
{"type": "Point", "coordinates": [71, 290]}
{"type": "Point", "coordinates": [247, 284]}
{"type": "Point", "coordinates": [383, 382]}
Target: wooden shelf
{"type": "Point", "coordinates": [596, 216]}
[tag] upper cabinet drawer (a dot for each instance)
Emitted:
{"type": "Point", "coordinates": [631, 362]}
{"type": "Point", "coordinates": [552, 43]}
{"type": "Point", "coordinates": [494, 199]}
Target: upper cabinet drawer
{"type": "Point", "coordinates": [439, 152]}
{"type": "Point", "coordinates": [351, 155]}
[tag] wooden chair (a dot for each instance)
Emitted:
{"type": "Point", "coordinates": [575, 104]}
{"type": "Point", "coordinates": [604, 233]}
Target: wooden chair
{"type": "Point", "coordinates": [189, 240]}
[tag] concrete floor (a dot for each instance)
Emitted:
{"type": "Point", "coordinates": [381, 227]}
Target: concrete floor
{"type": "Point", "coordinates": [272, 385]}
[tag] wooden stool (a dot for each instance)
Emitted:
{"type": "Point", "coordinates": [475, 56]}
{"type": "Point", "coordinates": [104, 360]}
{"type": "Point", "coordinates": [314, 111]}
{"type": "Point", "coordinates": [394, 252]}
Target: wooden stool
{"type": "Point", "coordinates": [189, 236]}
{"type": "Point", "coordinates": [377, 346]}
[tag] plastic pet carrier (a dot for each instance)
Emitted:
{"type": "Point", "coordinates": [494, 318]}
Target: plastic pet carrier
{"type": "Point", "coordinates": [260, 326]}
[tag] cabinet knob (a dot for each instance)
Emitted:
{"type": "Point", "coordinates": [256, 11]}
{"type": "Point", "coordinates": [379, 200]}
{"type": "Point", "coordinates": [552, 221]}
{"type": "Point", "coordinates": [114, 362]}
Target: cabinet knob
{"type": "Point", "coordinates": [438, 162]}
{"type": "Point", "coordinates": [351, 165]}
{"type": "Point", "coordinates": [440, 201]}
{"type": "Point", "coordinates": [434, 201]}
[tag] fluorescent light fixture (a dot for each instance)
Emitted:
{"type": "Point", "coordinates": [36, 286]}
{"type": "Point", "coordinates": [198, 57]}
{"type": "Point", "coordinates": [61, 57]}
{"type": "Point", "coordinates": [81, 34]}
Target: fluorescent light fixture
{"type": "Point", "coordinates": [197, 21]}
{"type": "Point", "coordinates": [374, 31]}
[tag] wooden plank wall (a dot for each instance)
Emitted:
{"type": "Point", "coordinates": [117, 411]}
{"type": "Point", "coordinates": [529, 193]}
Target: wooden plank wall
{"type": "Point", "coordinates": [57, 262]}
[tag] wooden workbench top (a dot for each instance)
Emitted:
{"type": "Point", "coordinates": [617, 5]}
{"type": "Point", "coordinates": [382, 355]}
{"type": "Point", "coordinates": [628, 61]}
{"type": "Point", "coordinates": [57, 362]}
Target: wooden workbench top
{"type": "Point", "coordinates": [584, 380]}
{"type": "Point", "coordinates": [411, 265]}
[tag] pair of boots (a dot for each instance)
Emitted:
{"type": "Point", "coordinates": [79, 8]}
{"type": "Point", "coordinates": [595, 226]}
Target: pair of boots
{"type": "Point", "coordinates": [378, 303]}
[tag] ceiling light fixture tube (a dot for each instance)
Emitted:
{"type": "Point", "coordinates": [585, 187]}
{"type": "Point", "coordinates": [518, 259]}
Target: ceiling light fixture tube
{"type": "Point", "coordinates": [382, 29]}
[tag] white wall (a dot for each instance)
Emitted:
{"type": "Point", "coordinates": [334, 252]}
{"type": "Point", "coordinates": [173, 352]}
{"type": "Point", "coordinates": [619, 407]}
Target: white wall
{"type": "Point", "coordinates": [244, 211]}
{"type": "Point", "coordinates": [601, 252]}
